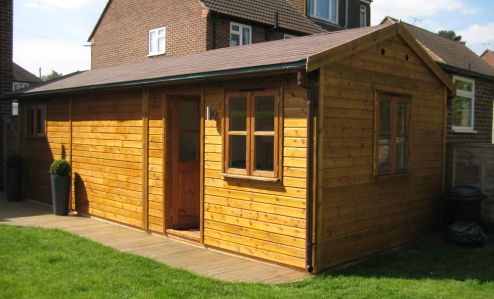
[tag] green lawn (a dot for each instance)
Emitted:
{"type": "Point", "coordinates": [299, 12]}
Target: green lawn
{"type": "Point", "coordinates": [37, 263]}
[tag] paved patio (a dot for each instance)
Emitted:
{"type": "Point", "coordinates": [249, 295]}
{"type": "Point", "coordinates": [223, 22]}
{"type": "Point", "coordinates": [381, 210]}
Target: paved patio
{"type": "Point", "coordinates": [206, 262]}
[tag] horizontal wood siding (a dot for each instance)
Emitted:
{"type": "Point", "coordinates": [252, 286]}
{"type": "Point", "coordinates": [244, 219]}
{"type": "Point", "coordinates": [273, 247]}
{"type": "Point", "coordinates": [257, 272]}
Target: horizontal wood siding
{"type": "Point", "coordinates": [264, 220]}
{"type": "Point", "coordinates": [39, 152]}
{"type": "Point", "coordinates": [357, 215]}
{"type": "Point", "coordinates": [107, 155]}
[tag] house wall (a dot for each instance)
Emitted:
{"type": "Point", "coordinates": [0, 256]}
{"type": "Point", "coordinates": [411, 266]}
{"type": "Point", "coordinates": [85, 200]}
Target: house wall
{"type": "Point", "coordinates": [358, 214]}
{"type": "Point", "coordinates": [119, 174]}
{"type": "Point", "coordinates": [484, 98]}
{"type": "Point", "coordinates": [122, 35]}
{"type": "Point", "coordinates": [6, 26]}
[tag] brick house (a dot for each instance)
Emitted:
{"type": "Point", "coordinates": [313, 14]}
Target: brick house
{"type": "Point", "coordinates": [6, 40]}
{"type": "Point", "coordinates": [157, 28]}
{"type": "Point", "coordinates": [488, 56]}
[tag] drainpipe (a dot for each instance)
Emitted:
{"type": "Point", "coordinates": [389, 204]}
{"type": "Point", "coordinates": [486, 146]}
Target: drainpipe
{"type": "Point", "coordinates": [309, 82]}
{"type": "Point", "coordinates": [346, 14]}
{"type": "Point", "coordinates": [213, 15]}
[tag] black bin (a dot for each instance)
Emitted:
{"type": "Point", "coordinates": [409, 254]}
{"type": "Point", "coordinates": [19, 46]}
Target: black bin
{"type": "Point", "coordinates": [464, 204]}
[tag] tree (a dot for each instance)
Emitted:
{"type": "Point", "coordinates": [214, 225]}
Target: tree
{"type": "Point", "coordinates": [54, 75]}
{"type": "Point", "coordinates": [451, 34]}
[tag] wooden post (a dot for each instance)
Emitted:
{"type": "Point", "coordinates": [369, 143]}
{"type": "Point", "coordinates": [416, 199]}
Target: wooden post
{"type": "Point", "coordinates": [71, 199]}
{"type": "Point", "coordinates": [201, 167]}
{"type": "Point", "coordinates": [145, 159]}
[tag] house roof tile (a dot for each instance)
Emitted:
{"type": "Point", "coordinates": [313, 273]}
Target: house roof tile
{"type": "Point", "coordinates": [22, 75]}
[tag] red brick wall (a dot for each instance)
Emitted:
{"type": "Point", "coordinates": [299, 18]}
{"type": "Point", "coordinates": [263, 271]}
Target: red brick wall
{"type": "Point", "coordinates": [484, 97]}
{"type": "Point", "coordinates": [259, 34]}
{"type": "Point", "coordinates": [122, 36]}
{"type": "Point", "coordinates": [6, 23]}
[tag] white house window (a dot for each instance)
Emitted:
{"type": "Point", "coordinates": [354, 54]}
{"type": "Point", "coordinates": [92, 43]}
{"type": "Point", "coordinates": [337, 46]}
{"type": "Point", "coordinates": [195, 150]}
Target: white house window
{"type": "Point", "coordinates": [240, 34]}
{"type": "Point", "coordinates": [15, 108]}
{"type": "Point", "coordinates": [324, 9]}
{"type": "Point", "coordinates": [157, 41]}
{"type": "Point", "coordinates": [363, 16]}
{"type": "Point", "coordinates": [19, 85]}
{"type": "Point", "coordinates": [464, 105]}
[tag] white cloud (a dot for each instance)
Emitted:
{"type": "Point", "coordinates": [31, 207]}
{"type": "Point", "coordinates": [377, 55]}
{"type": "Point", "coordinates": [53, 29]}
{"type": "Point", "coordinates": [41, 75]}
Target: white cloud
{"type": "Point", "coordinates": [405, 9]}
{"type": "Point", "coordinates": [61, 57]}
{"type": "Point", "coordinates": [65, 4]}
{"type": "Point", "coordinates": [479, 36]}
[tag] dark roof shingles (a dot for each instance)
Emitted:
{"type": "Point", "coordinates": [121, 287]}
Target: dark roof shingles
{"type": "Point", "coordinates": [255, 55]}
{"type": "Point", "coordinates": [263, 11]}
{"type": "Point", "coordinates": [22, 75]}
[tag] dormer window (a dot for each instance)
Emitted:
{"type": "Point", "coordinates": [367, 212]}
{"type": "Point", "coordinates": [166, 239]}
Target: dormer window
{"type": "Point", "coordinates": [240, 34]}
{"type": "Point", "coordinates": [363, 15]}
{"type": "Point", "coordinates": [326, 10]}
{"type": "Point", "coordinates": [157, 41]}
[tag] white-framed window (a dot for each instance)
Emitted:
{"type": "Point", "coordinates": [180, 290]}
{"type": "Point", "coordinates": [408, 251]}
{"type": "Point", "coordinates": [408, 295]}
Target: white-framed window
{"type": "Point", "coordinates": [157, 41]}
{"type": "Point", "coordinates": [15, 108]}
{"type": "Point", "coordinates": [463, 108]}
{"type": "Point", "coordinates": [19, 85]}
{"type": "Point", "coordinates": [326, 10]}
{"type": "Point", "coordinates": [240, 34]}
{"type": "Point", "coordinates": [287, 36]}
{"type": "Point", "coordinates": [363, 15]}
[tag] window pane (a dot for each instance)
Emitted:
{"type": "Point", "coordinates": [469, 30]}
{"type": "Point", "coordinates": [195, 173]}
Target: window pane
{"type": "Point", "coordinates": [41, 121]}
{"type": "Point", "coordinates": [246, 36]}
{"type": "Point", "coordinates": [189, 146]}
{"type": "Point", "coordinates": [238, 114]}
{"type": "Point", "coordinates": [363, 16]}
{"type": "Point", "coordinates": [322, 8]}
{"type": "Point", "coordinates": [235, 28]}
{"type": "Point", "coordinates": [234, 39]}
{"type": "Point", "coordinates": [161, 44]}
{"type": "Point", "coordinates": [401, 153]}
{"type": "Point", "coordinates": [384, 154]}
{"type": "Point", "coordinates": [189, 116]}
{"type": "Point", "coordinates": [152, 42]}
{"type": "Point", "coordinates": [237, 152]}
{"type": "Point", "coordinates": [464, 85]}
{"type": "Point", "coordinates": [265, 113]}
{"type": "Point", "coordinates": [334, 10]}
{"type": "Point", "coordinates": [462, 112]}
{"type": "Point", "coordinates": [401, 119]}
{"type": "Point", "coordinates": [384, 117]}
{"type": "Point", "coordinates": [264, 153]}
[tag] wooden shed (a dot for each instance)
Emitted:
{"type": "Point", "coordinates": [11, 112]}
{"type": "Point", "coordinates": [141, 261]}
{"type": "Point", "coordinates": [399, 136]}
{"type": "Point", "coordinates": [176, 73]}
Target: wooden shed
{"type": "Point", "coordinates": [309, 152]}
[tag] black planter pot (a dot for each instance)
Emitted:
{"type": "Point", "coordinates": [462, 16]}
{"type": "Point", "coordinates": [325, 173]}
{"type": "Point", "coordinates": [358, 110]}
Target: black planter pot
{"type": "Point", "coordinates": [14, 183]}
{"type": "Point", "coordinates": [60, 190]}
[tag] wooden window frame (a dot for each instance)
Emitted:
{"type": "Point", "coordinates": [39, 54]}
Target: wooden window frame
{"type": "Point", "coordinates": [249, 172]}
{"type": "Point", "coordinates": [34, 108]}
{"type": "Point", "coordinates": [394, 98]}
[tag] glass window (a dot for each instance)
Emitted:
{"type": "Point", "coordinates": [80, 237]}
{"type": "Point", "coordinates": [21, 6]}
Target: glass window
{"type": "Point", "coordinates": [240, 34]}
{"type": "Point", "coordinates": [463, 107]}
{"type": "Point", "coordinates": [157, 41]}
{"type": "Point", "coordinates": [35, 120]}
{"type": "Point", "coordinates": [251, 134]}
{"type": "Point", "coordinates": [324, 9]}
{"type": "Point", "coordinates": [363, 16]}
{"type": "Point", "coordinates": [393, 117]}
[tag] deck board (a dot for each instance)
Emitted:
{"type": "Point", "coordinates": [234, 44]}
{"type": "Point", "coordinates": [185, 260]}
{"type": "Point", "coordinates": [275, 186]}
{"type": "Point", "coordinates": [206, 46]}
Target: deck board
{"type": "Point", "coordinates": [205, 262]}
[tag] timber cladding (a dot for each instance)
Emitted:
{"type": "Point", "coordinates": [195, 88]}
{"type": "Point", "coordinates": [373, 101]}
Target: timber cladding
{"type": "Point", "coordinates": [359, 214]}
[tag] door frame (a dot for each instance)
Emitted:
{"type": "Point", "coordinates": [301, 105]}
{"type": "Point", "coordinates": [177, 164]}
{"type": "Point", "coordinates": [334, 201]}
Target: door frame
{"type": "Point", "coordinates": [168, 98]}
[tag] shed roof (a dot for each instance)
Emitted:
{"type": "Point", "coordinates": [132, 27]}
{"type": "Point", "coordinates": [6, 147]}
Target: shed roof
{"type": "Point", "coordinates": [22, 75]}
{"type": "Point", "coordinates": [301, 53]}
{"type": "Point", "coordinates": [446, 51]}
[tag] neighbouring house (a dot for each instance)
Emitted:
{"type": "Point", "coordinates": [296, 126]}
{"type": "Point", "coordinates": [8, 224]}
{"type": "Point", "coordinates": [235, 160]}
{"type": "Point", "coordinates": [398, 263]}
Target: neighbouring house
{"type": "Point", "coordinates": [6, 73]}
{"type": "Point", "coordinates": [166, 28]}
{"type": "Point", "coordinates": [470, 117]}
{"type": "Point", "coordinates": [23, 78]}
{"type": "Point", "coordinates": [308, 152]}
{"type": "Point", "coordinates": [488, 56]}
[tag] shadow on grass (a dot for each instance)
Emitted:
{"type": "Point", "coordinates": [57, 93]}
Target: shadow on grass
{"type": "Point", "coordinates": [429, 257]}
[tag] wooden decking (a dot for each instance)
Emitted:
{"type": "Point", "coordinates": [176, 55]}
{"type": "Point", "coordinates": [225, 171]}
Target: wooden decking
{"type": "Point", "coordinates": [206, 262]}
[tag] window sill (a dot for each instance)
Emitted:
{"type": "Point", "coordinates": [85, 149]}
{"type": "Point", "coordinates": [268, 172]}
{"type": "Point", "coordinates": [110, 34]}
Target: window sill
{"type": "Point", "coordinates": [327, 21]}
{"type": "Point", "coordinates": [250, 178]}
{"type": "Point", "coordinates": [466, 131]}
{"type": "Point", "coordinates": [392, 177]}
{"type": "Point", "coordinates": [155, 54]}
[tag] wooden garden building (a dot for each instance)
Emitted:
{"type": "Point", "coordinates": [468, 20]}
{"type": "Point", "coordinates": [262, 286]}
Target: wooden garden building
{"type": "Point", "coordinates": [309, 152]}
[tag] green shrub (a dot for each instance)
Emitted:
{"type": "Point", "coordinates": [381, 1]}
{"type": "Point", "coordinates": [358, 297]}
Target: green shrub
{"type": "Point", "coordinates": [60, 168]}
{"type": "Point", "coordinates": [14, 161]}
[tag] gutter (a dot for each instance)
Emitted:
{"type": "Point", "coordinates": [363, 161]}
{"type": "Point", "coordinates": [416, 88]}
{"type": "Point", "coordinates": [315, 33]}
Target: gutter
{"type": "Point", "coordinates": [283, 67]}
{"type": "Point", "coordinates": [465, 72]}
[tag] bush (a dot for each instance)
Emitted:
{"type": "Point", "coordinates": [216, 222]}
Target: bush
{"type": "Point", "coordinates": [14, 161]}
{"type": "Point", "coordinates": [60, 168]}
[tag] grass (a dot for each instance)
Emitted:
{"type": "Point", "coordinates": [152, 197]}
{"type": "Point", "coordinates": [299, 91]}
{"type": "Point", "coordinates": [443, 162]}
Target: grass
{"type": "Point", "coordinates": [38, 263]}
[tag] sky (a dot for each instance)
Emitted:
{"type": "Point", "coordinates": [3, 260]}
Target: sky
{"type": "Point", "coordinates": [52, 34]}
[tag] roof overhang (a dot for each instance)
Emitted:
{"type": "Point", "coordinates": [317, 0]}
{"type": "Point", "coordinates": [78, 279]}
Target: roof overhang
{"type": "Point", "coordinates": [366, 41]}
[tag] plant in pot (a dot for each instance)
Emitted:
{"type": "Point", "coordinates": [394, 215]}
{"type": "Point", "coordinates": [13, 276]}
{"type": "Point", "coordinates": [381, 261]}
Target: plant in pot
{"type": "Point", "coordinates": [14, 177]}
{"type": "Point", "coordinates": [60, 186]}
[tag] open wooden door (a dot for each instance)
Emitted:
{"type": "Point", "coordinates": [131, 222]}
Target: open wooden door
{"type": "Point", "coordinates": [185, 152]}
